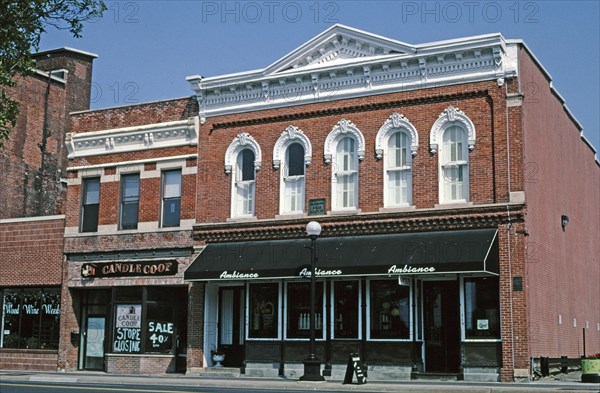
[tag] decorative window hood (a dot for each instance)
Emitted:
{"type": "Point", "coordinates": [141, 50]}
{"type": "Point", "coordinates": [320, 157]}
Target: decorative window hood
{"type": "Point", "coordinates": [129, 139]}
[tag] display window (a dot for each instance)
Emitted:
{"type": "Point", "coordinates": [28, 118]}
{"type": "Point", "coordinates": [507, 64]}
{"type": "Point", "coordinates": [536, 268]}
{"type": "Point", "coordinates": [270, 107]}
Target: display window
{"type": "Point", "coordinates": [298, 310]}
{"type": "Point", "coordinates": [263, 311]}
{"type": "Point", "coordinates": [30, 318]}
{"type": "Point", "coordinates": [389, 305]}
{"type": "Point", "coordinates": [482, 308]}
{"type": "Point", "coordinates": [346, 309]}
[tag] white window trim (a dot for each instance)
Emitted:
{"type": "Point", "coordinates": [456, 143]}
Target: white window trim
{"type": "Point", "coordinates": [162, 199]}
{"type": "Point", "coordinates": [358, 311]}
{"type": "Point", "coordinates": [451, 117]}
{"type": "Point", "coordinates": [341, 129]}
{"type": "Point", "coordinates": [403, 169]}
{"type": "Point", "coordinates": [466, 186]}
{"type": "Point", "coordinates": [463, 319]}
{"type": "Point", "coordinates": [323, 311]}
{"type": "Point", "coordinates": [279, 313]}
{"type": "Point", "coordinates": [240, 142]}
{"type": "Point", "coordinates": [411, 332]}
{"type": "Point", "coordinates": [289, 136]}
{"type": "Point", "coordinates": [396, 122]}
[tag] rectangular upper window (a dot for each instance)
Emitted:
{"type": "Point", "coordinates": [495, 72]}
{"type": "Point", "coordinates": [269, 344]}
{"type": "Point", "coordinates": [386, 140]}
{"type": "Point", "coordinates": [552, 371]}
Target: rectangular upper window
{"type": "Point", "coordinates": [130, 200]}
{"type": "Point", "coordinates": [171, 198]}
{"type": "Point", "coordinates": [90, 203]}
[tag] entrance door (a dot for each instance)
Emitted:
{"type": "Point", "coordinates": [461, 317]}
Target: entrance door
{"type": "Point", "coordinates": [441, 326]}
{"type": "Point", "coordinates": [94, 333]}
{"type": "Point", "coordinates": [231, 325]}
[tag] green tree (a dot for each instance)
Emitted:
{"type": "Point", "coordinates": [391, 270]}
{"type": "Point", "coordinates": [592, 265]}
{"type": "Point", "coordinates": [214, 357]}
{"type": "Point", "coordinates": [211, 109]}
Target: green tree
{"type": "Point", "coordinates": [22, 24]}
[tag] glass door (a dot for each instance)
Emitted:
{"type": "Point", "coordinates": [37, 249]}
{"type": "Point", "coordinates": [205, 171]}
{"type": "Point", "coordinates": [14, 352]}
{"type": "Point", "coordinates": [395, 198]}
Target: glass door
{"type": "Point", "coordinates": [94, 343]}
{"type": "Point", "coordinates": [441, 321]}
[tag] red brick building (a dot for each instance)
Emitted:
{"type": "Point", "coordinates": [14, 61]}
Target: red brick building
{"type": "Point", "coordinates": [451, 239]}
{"type": "Point", "coordinates": [32, 166]}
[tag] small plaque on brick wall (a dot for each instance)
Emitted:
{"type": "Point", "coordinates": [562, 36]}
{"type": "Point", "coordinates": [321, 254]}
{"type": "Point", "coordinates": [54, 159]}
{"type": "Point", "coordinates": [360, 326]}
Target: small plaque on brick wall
{"type": "Point", "coordinates": [316, 207]}
{"type": "Point", "coordinates": [517, 284]}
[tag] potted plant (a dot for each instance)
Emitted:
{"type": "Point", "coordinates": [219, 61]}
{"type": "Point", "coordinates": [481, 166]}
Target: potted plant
{"type": "Point", "coordinates": [590, 369]}
{"type": "Point", "coordinates": [217, 356]}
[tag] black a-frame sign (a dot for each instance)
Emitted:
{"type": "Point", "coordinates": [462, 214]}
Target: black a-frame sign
{"type": "Point", "coordinates": [355, 367]}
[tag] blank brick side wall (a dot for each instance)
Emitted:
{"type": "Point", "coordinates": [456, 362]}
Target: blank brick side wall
{"type": "Point", "coordinates": [563, 267]}
{"type": "Point", "coordinates": [31, 253]}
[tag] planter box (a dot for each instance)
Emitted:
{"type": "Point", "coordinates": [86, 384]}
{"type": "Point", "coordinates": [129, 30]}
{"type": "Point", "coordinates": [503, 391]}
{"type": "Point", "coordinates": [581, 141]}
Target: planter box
{"type": "Point", "coordinates": [590, 370]}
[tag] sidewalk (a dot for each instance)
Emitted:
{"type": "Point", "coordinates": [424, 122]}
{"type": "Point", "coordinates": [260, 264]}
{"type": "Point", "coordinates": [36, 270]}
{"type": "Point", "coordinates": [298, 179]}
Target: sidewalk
{"type": "Point", "coordinates": [282, 384]}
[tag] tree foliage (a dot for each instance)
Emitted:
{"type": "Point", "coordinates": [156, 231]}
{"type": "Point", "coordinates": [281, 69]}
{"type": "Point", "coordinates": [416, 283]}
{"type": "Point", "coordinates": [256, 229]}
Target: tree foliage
{"type": "Point", "coordinates": [22, 23]}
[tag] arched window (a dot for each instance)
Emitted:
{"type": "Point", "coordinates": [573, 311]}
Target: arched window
{"type": "Point", "coordinates": [344, 147]}
{"type": "Point", "coordinates": [398, 168]}
{"type": "Point", "coordinates": [453, 134]}
{"type": "Point", "coordinates": [346, 175]}
{"type": "Point", "coordinates": [292, 180]}
{"type": "Point", "coordinates": [454, 165]}
{"type": "Point", "coordinates": [244, 184]}
{"type": "Point", "coordinates": [243, 159]}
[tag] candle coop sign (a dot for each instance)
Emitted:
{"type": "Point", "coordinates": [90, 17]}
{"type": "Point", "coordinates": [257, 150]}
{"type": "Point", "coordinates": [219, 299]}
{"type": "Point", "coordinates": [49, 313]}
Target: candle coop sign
{"type": "Point", "coordinates": [128, 324]}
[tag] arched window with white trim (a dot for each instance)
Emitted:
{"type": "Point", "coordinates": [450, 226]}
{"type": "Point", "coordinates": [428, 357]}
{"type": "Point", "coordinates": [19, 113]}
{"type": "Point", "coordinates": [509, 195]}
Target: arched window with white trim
{"type": "Point", "coordinates": [243, 160]}
{"type": "Point", "coordinates": [346, 175]}
{"type": "Point", "coordinates": [454, 165]}
{"type": "Point", "coordinates": [398, 170]}
{"type": "Point", "coordinates": [293, 180]}
{"type": "Point", "coordinates": [453, 134]}
{"type": "Point", "coordinates": [344, 147]}
{"type": "Point", "coordinates": [293, 153]}
{"type": "Point", "coordinates": [244, 184]}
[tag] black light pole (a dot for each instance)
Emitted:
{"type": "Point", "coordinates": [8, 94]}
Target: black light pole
{"type": "Point", "coordinates": [312, 365]}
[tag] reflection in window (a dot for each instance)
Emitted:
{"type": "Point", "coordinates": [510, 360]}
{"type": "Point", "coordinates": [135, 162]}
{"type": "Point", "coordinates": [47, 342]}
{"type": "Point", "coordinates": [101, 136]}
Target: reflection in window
{"type": "Point", "coordinates": [298, 310]}
{"type": "Point", "coordinates": [455, 165]}
{"type": "Point", "coordinates": [130, 198]}
{"type": "Point", "coordinates": [390, 312]}
{"type": "Point", "coordinates": [398, 169]}
{"type": "Point", "coordinates": [345, 309]}
{"type": "Point", "coordinates": [90, 203]}
{"type": "Point", "coordinates": [244, 185]}
{"type": "Point", "coordinates": [293, 179]}
{"type": "Point", "coordinates": [346, 174]}
{"type": "Point", "coordinates": [171, 198]}
{"type": "Point", "coordinates": [482, 307]}
{"type": "Point", "coordinates": [263, 311]}
{"type": "Point", "coordinates": [31, 318]}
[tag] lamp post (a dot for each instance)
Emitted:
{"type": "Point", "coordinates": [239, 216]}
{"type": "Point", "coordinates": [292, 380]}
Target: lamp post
{"type": "Point", "coordinates": [312, 365]}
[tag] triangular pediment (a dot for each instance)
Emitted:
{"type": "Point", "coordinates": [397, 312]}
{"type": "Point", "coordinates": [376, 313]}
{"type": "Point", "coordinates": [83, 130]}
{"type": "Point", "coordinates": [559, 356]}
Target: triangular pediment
{"type": "Point", "coordinates": [338, 45]}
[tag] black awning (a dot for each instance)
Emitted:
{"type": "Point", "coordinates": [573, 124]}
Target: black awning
{"type": "Point", "coordinates": [461, 251]}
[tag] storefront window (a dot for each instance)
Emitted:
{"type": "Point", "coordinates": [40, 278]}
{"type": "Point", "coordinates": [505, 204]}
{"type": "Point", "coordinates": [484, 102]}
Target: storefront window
{"type": "Point", "coordinates": [298, 310]}
{"type": "Point", "coordinates": [390, 311]}
{"type": "Point", "coordinates": [31, 318]}
{"type": "Point", "coordinates": [149, 320]}
{"type": "Point", "coordinates": [345, 298]}
{"type": "Point", "coordinates": [263, 310]}
{"type": "Point", "coordinates": [482, 307]}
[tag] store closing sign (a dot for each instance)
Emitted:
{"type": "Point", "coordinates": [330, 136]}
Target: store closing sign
{"type": "Point", "coordinates": [128, 324]}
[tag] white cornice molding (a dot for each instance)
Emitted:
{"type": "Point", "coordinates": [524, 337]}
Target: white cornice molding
{"type": "Point", "coordinates": [291, 135]}
{"type": "Point", "coordinates": [449, 117]}
{"type": "Point", "coordinates": [396, 122]}
{"type": "Point", "coordinates": [241, 141]}
{"type": "Point", "coordinates": [344, 128]}
{"type": "Point", "coordinates": [32, 219]}
{"type": "Point", "coordinates": [129, 139]}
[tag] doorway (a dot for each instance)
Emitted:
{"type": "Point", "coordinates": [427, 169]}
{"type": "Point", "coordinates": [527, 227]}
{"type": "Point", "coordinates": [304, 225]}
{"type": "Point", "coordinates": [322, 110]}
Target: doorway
{"type": "Point", "coordinates": [93, 343]}
{"type": "Point", "coordinates": [231, 325]}
{"type": "Point", "coordinates": [441, 321]}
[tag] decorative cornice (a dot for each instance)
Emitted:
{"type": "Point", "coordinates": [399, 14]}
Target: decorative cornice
{"type": "Point", "coordinates": [129, 139]}
{"type": "Point", "coordinates": [290, 135]}
{"type": "Point", "coordinates": [242, 141]}
{"type": "Point", "coordinates": [482, 216]}
{"type": "Point", "coordinates": [347, 110]}
{"type": "Point", "coordinates": [344, 128]}
{"type": "Point", "coordinates": [396, 122]}
{"type": "Point", "coordinates": [449, 117]}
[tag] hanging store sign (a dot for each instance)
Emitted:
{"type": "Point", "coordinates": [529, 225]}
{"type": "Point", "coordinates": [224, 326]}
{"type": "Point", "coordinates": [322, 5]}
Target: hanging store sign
{"type": "Point", "coordinates": [128, 269]}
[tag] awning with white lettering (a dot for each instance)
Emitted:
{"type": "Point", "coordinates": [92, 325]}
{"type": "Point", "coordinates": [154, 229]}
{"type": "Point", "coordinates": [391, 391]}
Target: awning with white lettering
{"type": "Point", "coordinates": [460, 251]}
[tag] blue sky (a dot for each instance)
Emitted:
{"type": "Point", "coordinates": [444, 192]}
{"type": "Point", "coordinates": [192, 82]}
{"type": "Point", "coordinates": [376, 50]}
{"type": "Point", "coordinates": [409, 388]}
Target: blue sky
{"type": "Point", "coordinates": [147, 48]}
